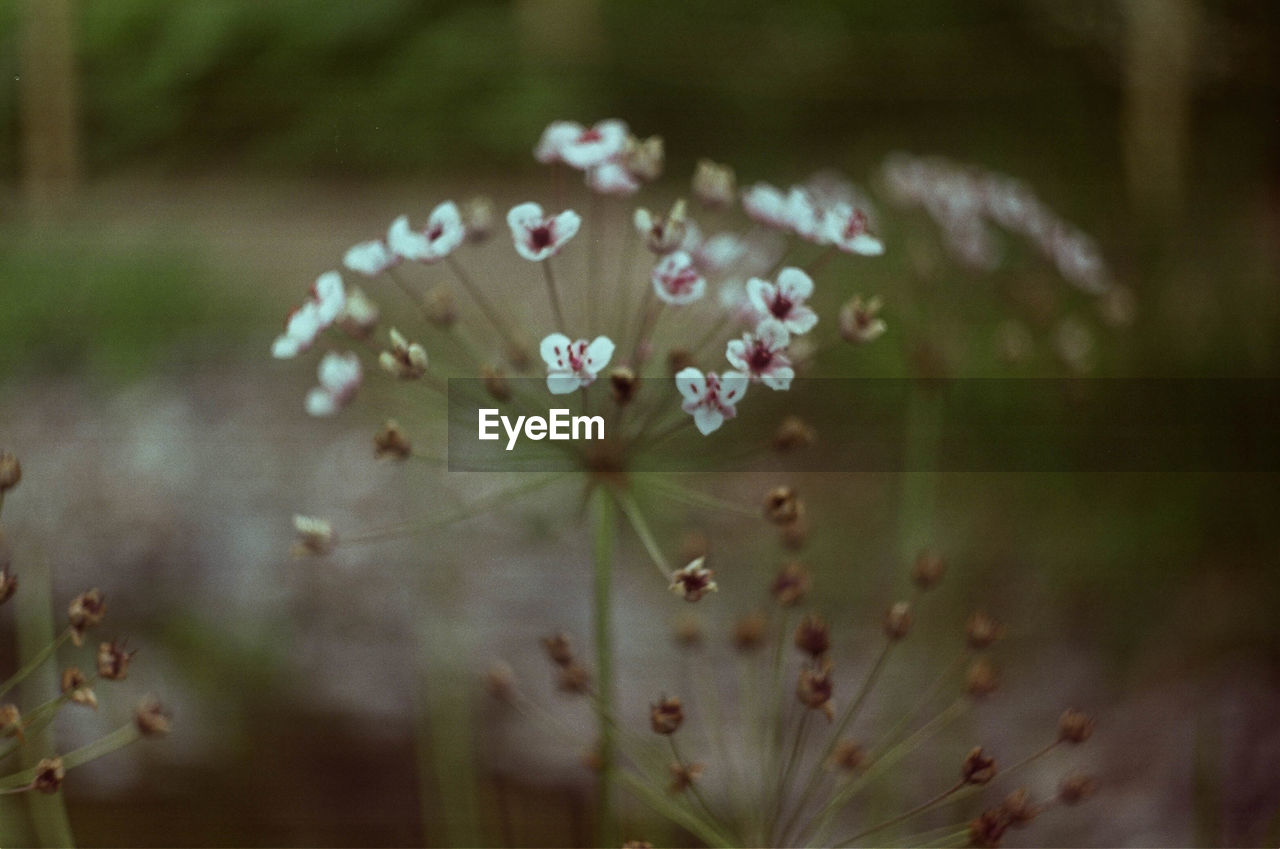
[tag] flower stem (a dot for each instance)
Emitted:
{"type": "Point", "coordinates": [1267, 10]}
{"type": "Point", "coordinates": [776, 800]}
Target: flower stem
{"type": "Point", "coordinates": [486, 306]}
{"type": "Point", "coordinates": [35, 662]}
{"type": "Point", "coordinates": [632, 511]}
{"type": "Point", "coordinates": [918, 809]}
{"type": "Point", "coordinates": [553, 292]}
{"type": "Point", "coordinates": [602, 572]}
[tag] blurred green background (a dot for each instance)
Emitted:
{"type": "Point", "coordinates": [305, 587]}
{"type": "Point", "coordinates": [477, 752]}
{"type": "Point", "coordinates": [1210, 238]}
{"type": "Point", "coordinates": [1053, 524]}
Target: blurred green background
{"type": "Point", "coordinates": [173, 175]}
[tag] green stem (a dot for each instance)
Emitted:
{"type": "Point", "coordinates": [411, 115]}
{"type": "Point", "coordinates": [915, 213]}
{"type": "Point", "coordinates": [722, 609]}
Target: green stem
{"type": "Point", "coordinates": [553, 292]}
{"type": "Point", "coordinates": [632, 511]}
{"type": "Point", "coordinates": [36, 661]}
{"type": "Point", "coordinates": [916, 811]}
{"type": "Point", "coordinates": [602, 602]}
{"type": "Point", "coordinates": [917, 506]}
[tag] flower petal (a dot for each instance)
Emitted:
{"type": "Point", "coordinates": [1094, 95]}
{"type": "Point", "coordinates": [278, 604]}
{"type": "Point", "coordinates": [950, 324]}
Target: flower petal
{"type": "Point", "coordinates": [599, 352]}
{"type": "Point", "coordinates": [707, 419]}
{"type": "Point", "coordinates": [562, 383]}
{"type": "Point", "coordinates": [794, 284]}
{"type": "Point", "coordinates": [555, 351]}
{"type": "Point", "coordinates": [369, 258]}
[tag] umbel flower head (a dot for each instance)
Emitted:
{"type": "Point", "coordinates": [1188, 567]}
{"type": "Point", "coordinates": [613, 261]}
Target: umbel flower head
{"type": "Point", "coordinates": [538, 236]}
{"type": "Point", "coordinates": [572, 365]}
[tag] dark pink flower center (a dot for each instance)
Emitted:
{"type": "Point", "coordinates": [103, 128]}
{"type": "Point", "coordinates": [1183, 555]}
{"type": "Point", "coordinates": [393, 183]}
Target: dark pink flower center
{"type": "Point", "coordinates": [540, 237]}
{"type": "Point", "coordinates": [435, 232]}
{"type": "Point", "coordinates": [856, 225]}
{"type": "Point", "coordinates": [760, 357]}
{"type": "Point", "coordinates": [592, 135]}
{"type": "Point", "coordinates": [781, 306]}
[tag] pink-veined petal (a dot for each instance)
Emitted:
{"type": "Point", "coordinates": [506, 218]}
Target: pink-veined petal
{"type": "Point", "coordinates": [794, 284]}
{"type": "Point", "coordinates": [733, 385]}
{"type": "Point", "coordinates": [555, 351]}
{"type": "Point", "coordinates": [778, 377]}
{"type": "Point", "coordinates": [692, 385]}
{"type": "Point", "coordinates": [761, 294]}
{"type": "Point", "coordinates": [707, 419]}
{"type": "Point", "coordinates": [599, 352]}
{"type": "Point", "coordinates": [736, 353]}
{"type": "Point", "coordinates": [773, 334]}
{"type": "Point", "coordinates": [562, 383]}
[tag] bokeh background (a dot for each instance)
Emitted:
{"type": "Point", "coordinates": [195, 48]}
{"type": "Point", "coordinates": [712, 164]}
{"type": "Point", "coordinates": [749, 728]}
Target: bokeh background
{"type": "Point", "coordinates": [173, 176]}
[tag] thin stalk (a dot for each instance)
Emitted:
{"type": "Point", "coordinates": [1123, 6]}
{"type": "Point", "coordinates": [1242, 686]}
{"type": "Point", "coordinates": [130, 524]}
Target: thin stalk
{"type": "Point", "coordinates": [687, 819]}
{"type": "Point", "coordinates": [697, 792]}
{"type": "Point", "coordinates": [694, 498]}
{"type": "Point", "coordinates": [116, 740]}
{"type": "Point", "coordinates": [796, 753]}
{"type": "Point", "coordinates": [35, 662]}
{"type": "Point", "coordinates": [632, 511]}
{"type": "Point", "coordinates": [553, 292]}
{"type": "Point", "coordinates": [602, 616]}
{"type": "Point", "coordinates": [486, 306]}
{"type": "Point", "coordinates": [916, 811]}
{"type": "Point", "coordinates": [595, 231]}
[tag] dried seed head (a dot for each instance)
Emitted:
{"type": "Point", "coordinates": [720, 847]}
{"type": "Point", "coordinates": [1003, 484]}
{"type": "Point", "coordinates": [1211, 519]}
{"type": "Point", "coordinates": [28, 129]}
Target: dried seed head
{"type": "Point", "coordinates": [10, 471]}
{"type": "Point", "coordinates": [847, 756]}
{"type": "Point", "coordinates": [693, 581]}
{"type": "Point", "coordinates": [666, 716]}
{"type": "Point", "coordinates": [792, 584]}
{"type": "Point", "coordinates": [748, 632]}
{"type": "Point", "coordinates": [928, 570]}
{"type": "Point", "coordinates": [496, 384]}
{"type": "Point", "coordinates": [10, 721]}
{"type": "Point", "coordinates": [662, 235]}
{"type": "Point", "coordinates": [688, 632]}
{"type": "Point", "coordinates": [1018, 809]}
{"type": "Point", "coordinates": [151, 718]}
{"type": "Point", "coordinates": [977, 767]}
{"type": "Point", "coordinates": [86, 610]}
{"type": "Point", "coordinates": [860, 321]}
{"type": "Point", "coordinates": [814, 689]}
{"type": "Point", "coordinates": [477, 217]}
{"type": "Point", "coordinates": [782, 505]}
{"type": "Point", "coordinates": [76, 687]}
{"type": "Point", "coordinates": [645, 158]}
{"type": "Point", "coordinates": [683, 776]}
{"type": "Point", "coordinates": [1074, 789]}
{"type": "Point", "coordinates": [315, 537]}
{"type": "Point", "coordinates": [392, 441]}
{"type": "Point", "coordinates": [793, 433]}
{"type": "Point", "coordinates": [440, 307]}
{"type": "Point", "coordinates": [981, 631]}
{"type": "Point", "coordinates": [113, 661]}
{"type": "Point", "coordinates": [573, 678]}
{"type": "Point", "coordinates": [679, 359]}
{"type": "Point", "coordinates": [404, 359]}
{"type": "Point", "coordinates": [8, 581]}
{"type": "Point", "coordinates": [714, 185]}
{"type": "Point", "coordinates": [49, 775]}
{"type": "Point", "coordinates": [793, 536]}
{"type": "Point", "coordinates": [623, 384]}
{"type": "Point", "coordinates": [897, 622]}
{"type": "Point", "coordinates": [360, 315]}
{"type": "Point", "coordinates": [987, 830]}
{"type": "Point", "coordinates": [813, 636]}
{"type": "Point", "coordinates": [559, 649]}
{"type": "Point", "coordinates": [981, 679]}
{"type": "Point", "coordinates": [1075, 727]}
{"type": "Point", "coordinates": [500, 682]}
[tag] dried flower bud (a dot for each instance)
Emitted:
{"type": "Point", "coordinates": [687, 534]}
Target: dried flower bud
{"type": "Point", "coordinates": [1075, 727]}
{"type": "Point", "coordinates": [10, 471]}
{"type": "Point", "coordinates": [359, 315]}
{"type": "Point", "coordinates": [977, 767]}
{"type": "Point", "coordinates": [405, 360]}
{"type": "Point", "coordinates": [782, 505]}
{"type": "Point", "coordinates": [517, 356]}
{"type": "Point", "coordinates": [623, 384]}
{"type": "Point", "coordinates": [981, 631]}
{"type": "Point", "coordinates": [559, 649]}
{"type": "Point", "coordinates": [679, 359]}
{"type": "Point", "coordinates": [496, 384]}
{"type": "Point", "coordinates": [49, 775]}
{"type": "Point", "coordinates": [793, 433]}
{"type": "Point", "coordinates": [1017, 808]}
{"type": "Point", "coordinates": [748, 632]}
{"type": "Point", "coordinates": [440, 307]}
{"type": "Point", "coordinates": [897, 622]}
{"type": "Point", "coordinates": [315, 537]}
{"type": "Point", "coordinates": [76, 687]}
{"type": "Point", "coordinates": [928, 570]}
{"type": "Point", "coordinates": [151, 718]}
{"type": "Point", "coordinates": [793, 536]}
{"type": "Point", "coordinates": [637, 844]}
{"type": "Point", "coordinates": [683, 776]}
{"type": "Point", "coordinates": [666, 716]}
{"type": "Point", "coordinates": [981, 680]}
{"type": "Point", "coordinates": [662, 235]}
{"type": "Point", "coordinates": [10, 721]}
{"type": "Point", "coordinates": [688, 632]}
{"type": "Point", "coordinates": [813, 636]}
{"type": "Point", "coordinates": [792, 584]}
{"type": "Point", "coordinates": [847, 756]}
{"type": "Point", "coordinates": [573, 678]}
{"type": "Point", "coordinates": [500, 682]}
{"type": "Point", "coordinates": [693, 581]}
{"type": "Point", "coordinates": [1074, 789]}
{"type": "Point", "coordinates": [714, 185]}
{"type": "Point", "coordinates": [814, 689]}
{"type": "Point", "coordinates": [391, 440]}
{"type": "Point", "coordinates": [645, 158]}
{"type": "Point", "coordinates": [987, 830]}
{"type": "Point", "coordinates": [860, 322]}
{"type": "Point", "coordinates": [477, 217]}
{"type": "Point", "coordinates": [113, 661]}
{"type": "Point", "coordinates": [8, 582]}
{"type": "Point", "coordinates": [86, 610]}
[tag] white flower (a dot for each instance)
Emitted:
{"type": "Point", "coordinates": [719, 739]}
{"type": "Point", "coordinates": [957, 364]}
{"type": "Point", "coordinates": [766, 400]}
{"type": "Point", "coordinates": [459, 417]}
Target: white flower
{"type": "Point", "coordinates": [442, 235]}
{"type": "Point", "coordinates": [314, 536]}
{"type": "Point", "coordinates": [805, 216]}
{"type": "Point", "coordinates": [593, 146]}
{"type": "Point", "coordinates": [323, 305]}
{"type": "Point", "coordinates": [554, 138]}
{"type": "Point", "coordinates": [370, 258]}
{"type": "Point", "coordinates": [574, 364]}
{"type": "Point", "coordinates": [784, 301]}
{"type": "Point", "coordinates": [612, 178]}
{"type": "Point", "coordinates": [846, 228]}
{"type": "Point", "coordinates": [719, 253]}
{"type": "Point", "coordinates": [330, 296]}
{"type": "Point", "coordinates": [761, 355]}
{"type": "Point", "coordinates": [676, 280]}
{"type": "Point", "coordinates": [537, 236]}
{"type": "Point", "coordinates": [709, 398]}
{"type": "Point", "coordinates": [340, 376]}
{"type": "Point", "coordinates": [766, 204]}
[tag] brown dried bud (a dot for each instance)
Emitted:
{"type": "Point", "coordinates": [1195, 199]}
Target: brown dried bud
{"type": "Point", "coordinates": [573, 679]}
{"type": "Point", "coordinates": [1018, 809]}
{"type": "Point", "coordinates": [814, 689]}
{"type": "Point", "coordinates": [113, 661]}
{"type": "Point", "coordinates": [518, 357]}
{"type": "Point", "coordinates": [981, 631]}
{"type": "Point", "coordinates": [679, 359]}
{"type": "Point", "coordinates": [623, 384]}
{"type": "Point", "coordinates": [981, 679]}
{"type": "Point", "coordinates": [477, 217]}
{"type": "Point", "coordinates": [315, 537]}
{"type": "Point", "coordinates": [10, 721]}
{"type": "Point", "coordinates": [928, 570]}
{"type": "Point", "coordinates": [49, 775]}
{"type": "Point", "coordinates": [847, 756]}
{"type": "Point", "coordinates": [748, 632]}
{"type": "Point", "coordinates": [644, 158]}
{"type": "Point", "coordinates": [662, 235]}
{"type": "Point", "coordinates": [440, 307]}
{"type": "Point", "coordinates": [813, 636]}
{"type": "Point", "coordinates": [10, 471]}
{"type": "Point", "coordinates": [860, 322]}
{"type": "Point", "coordinates": [666, 716]}
{"type": "Point", "coordinates": [391, 440]}
{"type": "Point", "coordinates": [977, 767]}
{"type": "Point", "coordinates": [151, 718]}
{"type": "Point", "coordinates": [1075, 727]}
{"type": "Point", "coordinates": [637, 844]}
{"type": "Point", "coordinates": [792, 584]}
{"type": "Point", "coordinates": [404, 359]}
{"type": "Point", "coordinates": [714, 185]}
{"type": "Point", "coordinates": [500, 682]}
{"type": "Point", "coordinates": [86, 610]}
{"type": "Point", "coordinates": [1074, 789]}
{"type": "Point", "coordinates": [897, 622]}
{"type": "Point", "coordinates": [76, 688]}
{"type": "Point", "coordinates": [683, 776]}
{"type": "Point", "coordinates": [688, 632]}
{"type": "Point", "coordinates": [693, 581]}
{"type": "Point", "coordinates": [8, 582]}
{"type": "Point", "coordinates": [360, 315]}
{"type": "Point", "coordinates": [782, 505]}
{"type": "Point", "coordinates": [794, 536]}
{"type": "Point", "coordinates": [793, 433]}
{"type": "Point", "coordinates": [495, 383]}
{"type": "Point", "coordinates": [559, 649]}
{"type": "Point", "coordinates": [987, 830]}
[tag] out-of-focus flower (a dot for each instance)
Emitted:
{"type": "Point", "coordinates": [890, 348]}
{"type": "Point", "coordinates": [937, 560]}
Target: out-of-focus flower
{"type": "Point", "coordinates": [785, 300]}
{"type": "Point", "coordinates": [582, 147]}
{"type": "Point", "coordinates": [676, 279]}
{"type": "Point", "coordinates": [538, 236]}
{"type": "Point", "coordinates": [761, 355]}
{"type": "Point", "coordinates": [340, 376]}
{"type": "Point", "coordinates": [710, 398]}
{"type": "Point", "coordinates": [846, 228]}
{"type": "Point", "coordinates": [714, 184]}
{"type": "Point", "coordinates": [665, 234]}
{"type": "Point", "coordinates": [370, 258]}
{"type": "Point", "coordinates": [693, 581]}
{"type": "Point", "coordinates": [645, 158]}
{"type": "Point", "coordinates": [442, 235]}
{"type": "Point", "coordinates": [768, 205]}
{"type": "Point", "coordinates": [406, 360]}
{"type": "Point", "coordinates": [612, 178]}
{"type": "Point", "coordinates": [860, 320]}
{"type": "Point", "coordinates": [571, 365]}
{"type": "Point", "coordinates": [321, 308]}
{"type": "Point", "coordinates": [314, 536]}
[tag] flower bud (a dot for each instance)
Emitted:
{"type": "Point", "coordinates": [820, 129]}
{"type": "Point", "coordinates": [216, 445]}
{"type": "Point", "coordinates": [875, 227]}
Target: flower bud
{"type": "Point", "coordinates": [359, 315]}
{"type": "Point", "coordinates": [814, 689]}
{"type": "Point", "coordinates": [688, 632]}
{"type": "Point", "coordinates": [440, 307]}
{"type": "Point", "coordinates": [860, 322]}
{"type": "Point", "coordinates": [977, 768]}
{"type": "Point", "coordinates": [86, 610]}
{"type": "Point", "coordinates": [151, 718]}
{"type": "Point", "coordinates": [623, 384]}
{"type": "Point", "coordinates": [1074, 789]}
{"type": "Point", "coordinates": [792, 584]}
{"type": "Point", "coordinates": [793, 433]}
{"type": "Point", "coordinates": [928, 570]}
{"type": "Point", "coordinates": [559, 649]}
{"type": "Point", "coordinates": [987, 830]}
{"type": "Point", "coordinates": [981, 631]}
{"type": "Point", "coordinates": [662, 235]}
{"type": "Point", "coordinates": [1075, 727]}
{"type": "Point", "coordinates": [496, 384]}
{"type": "Point", "coordinates": [683, 776]}
{"type": "Point", "coordinates": [679, 359]}
{"type": "Point", "coordinates": [847, 756]}
{"type": "Point", "coordinates": [666, 716]}
{"type": "Point", "coordinates": [49, 775]}
{"type": "Point", "coordinates": [714, 185]}
{"type": "Point", "coordinates": [404, 359]}
{"type": "Point", "coordinates": [981, 679]}
{"type": "Point", "coordinates": [813, 637]}
{"type": "Point", "coordinates": [748, 632]}
{"type": "Point", "coordinates": [113, 661]}
{"type": "Point", "coordinates": [392, 441]}
{"type": "Point", "coordinates": [76, 687]}
{"type": "Point", "coordinates": [477, 217]}
{"type": "Point", "coordinates": [782, 506]}
{"type": "Point", "coordinates": [10, 471]}
{"type": "Point", "coordinates": [693, 581]}
{"type": "Point", "coordinates": [897, 622]}
{"type": "Point", "coordinates": [573, 678]}
{"type": "Point", "coordinates": [315, 537]}
{"type": "Point", "coordinates": [645, 158]}
{"type": "Point", "coordinates": [500, 682]}
{"type": "Point", "coordinates": [1018, 809]}
{"type": "Point", "coordinates": [10, 721]}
